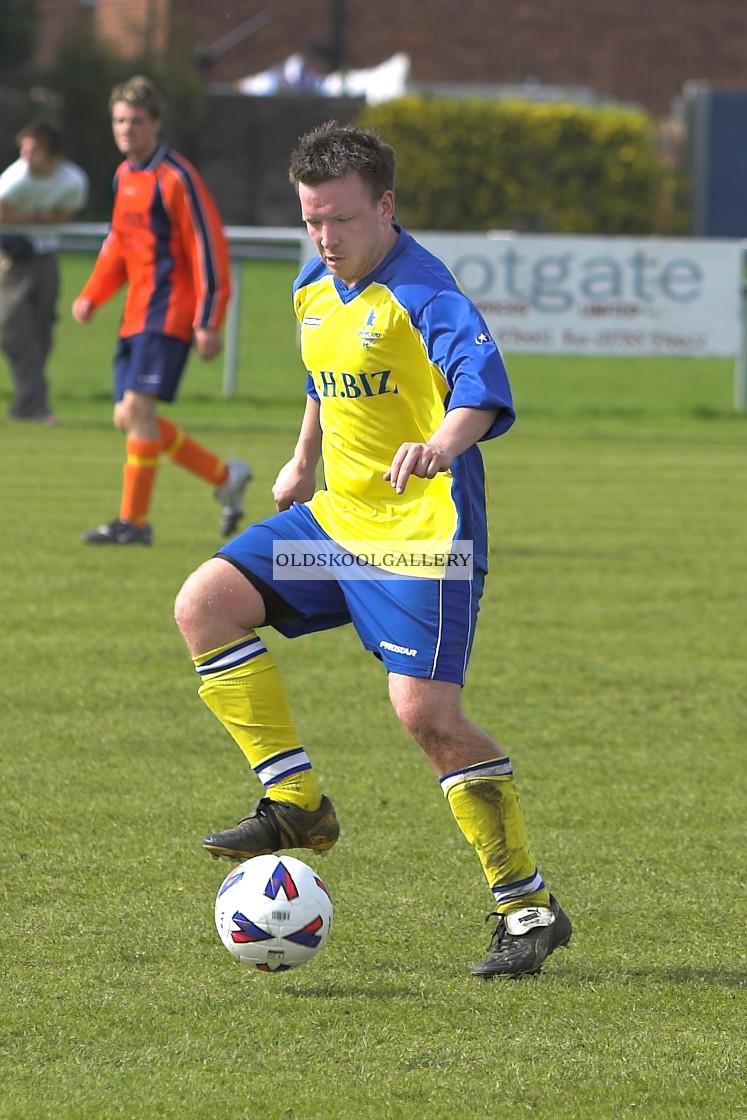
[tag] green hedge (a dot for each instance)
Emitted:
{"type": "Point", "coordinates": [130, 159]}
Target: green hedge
{"type": "Point", "coordinates": [546, 168]}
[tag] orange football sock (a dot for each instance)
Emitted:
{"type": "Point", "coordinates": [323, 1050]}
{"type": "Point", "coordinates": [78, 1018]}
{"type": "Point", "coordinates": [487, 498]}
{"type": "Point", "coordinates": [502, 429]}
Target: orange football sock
{"type": "Point", "coordinates": [139, 477]}
{"type": "Point", "coordinates": [187, 453]}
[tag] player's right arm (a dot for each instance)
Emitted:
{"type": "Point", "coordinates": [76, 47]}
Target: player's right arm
{"type": "Point", "coordinates": [108, 276]}
{"type": "Point", "coordinates": [110, 270]}
{"type": "Point", "coordinates": [83, 309]}
{"type": "Point", "coordinates": [11, 193]}
{"type": "Point", "coordinates": [296, 481]}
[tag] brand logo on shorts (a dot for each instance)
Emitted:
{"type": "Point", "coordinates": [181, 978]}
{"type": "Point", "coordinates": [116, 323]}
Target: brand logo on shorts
{"type": "Point", "coordinates": [398, 649]}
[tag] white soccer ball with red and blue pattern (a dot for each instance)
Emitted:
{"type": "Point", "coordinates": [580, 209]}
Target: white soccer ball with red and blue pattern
{"type": "Point", "coordinates": [273, 913]}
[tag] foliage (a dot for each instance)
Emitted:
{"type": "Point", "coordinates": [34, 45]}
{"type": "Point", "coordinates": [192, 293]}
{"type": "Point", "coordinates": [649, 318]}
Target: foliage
{"type": "Point", "coordinates": [547, 168]}
{"type": "Point", "coordinates": [18, 24]}
{"type": "Point", "coordinates": [83, 77]}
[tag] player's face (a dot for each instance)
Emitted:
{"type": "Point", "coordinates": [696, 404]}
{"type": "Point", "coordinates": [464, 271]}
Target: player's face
{"type": "Point", "coordinates": [136, 132]}
{"type": "Point", "coordinates": [351, 232]}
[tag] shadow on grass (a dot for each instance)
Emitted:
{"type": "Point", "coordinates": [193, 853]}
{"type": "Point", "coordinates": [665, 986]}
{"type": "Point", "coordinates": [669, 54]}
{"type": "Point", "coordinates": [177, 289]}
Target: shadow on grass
{"type": "Point", "coordinates": [349, 991]}
{"type": "Point", "coordinates": [706, 412]}
{"type": "Point", "coordinates": [716, 977]}
{"type": "Point", "coordinates": [707, 977]}
{"type": "Point", "coordinates": [712, 977]}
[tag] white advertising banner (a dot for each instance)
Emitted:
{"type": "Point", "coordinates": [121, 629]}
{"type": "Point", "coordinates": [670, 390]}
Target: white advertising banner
{"type": "Point", "coordinates": [601, 295]}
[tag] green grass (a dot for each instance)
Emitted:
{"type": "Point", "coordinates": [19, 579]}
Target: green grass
{"type": "Point", "coordinates": [609, 661]}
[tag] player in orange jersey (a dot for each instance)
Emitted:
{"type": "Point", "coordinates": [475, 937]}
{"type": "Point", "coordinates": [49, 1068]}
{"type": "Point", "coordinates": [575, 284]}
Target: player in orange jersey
{"type": "Point", "coordinates": [167, 244]}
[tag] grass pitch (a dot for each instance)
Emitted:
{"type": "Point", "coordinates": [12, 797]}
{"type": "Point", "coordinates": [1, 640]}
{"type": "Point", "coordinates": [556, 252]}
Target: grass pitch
{"type": "Point", "coordinates": [609, 662]}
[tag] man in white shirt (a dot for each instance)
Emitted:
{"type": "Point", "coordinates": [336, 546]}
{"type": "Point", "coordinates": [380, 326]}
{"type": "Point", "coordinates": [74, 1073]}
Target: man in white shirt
{"type": "Point", "coordinates": [37, 192]}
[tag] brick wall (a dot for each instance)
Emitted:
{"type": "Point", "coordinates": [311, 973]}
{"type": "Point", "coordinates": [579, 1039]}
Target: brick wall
{"type": "Point", "coordinates": [132, 25]}
{"type": "Point", "coordinates": [639, 51]}
{"type": "Point", "coordinates": [56, 20]}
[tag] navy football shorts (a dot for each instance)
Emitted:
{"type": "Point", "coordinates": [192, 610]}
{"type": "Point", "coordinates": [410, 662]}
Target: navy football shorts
{"type": "Point", "coordinates": [149, 363]}
{"type": "Point", "coordinates": [418, 627]}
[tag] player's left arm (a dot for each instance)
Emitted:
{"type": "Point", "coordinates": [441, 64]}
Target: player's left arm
{"type": "Point", "coordinates": [207, 250]}
{"type": "Point", "coordinates": [460, 346]}
{"type": "Point", "coordinates": [460, 428]}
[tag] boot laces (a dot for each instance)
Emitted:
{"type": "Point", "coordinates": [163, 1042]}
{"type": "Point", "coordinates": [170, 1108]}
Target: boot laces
{"type": "Point", "coordinates": [259, 810]}
{"type": "Point", "coordinates": [499, 933]}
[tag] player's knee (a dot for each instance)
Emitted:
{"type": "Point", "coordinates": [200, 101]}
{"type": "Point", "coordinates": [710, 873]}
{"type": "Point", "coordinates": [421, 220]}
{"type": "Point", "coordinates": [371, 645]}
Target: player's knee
{"type": "Point", "coordinates": [215, 606]}
{"type": "Point", "coordinates": [188, 607]}
{"type": "Point", "coordinates": [199, 605]}
{"type": "Point", "coordinates": [420, 721]}
{"type": "Point", "coordinates": [428, 710]}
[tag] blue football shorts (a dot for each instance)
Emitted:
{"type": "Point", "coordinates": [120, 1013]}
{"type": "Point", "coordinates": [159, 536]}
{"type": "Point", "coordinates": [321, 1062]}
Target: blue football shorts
{"type": "Point", "coordinates": [418, 627]}
{"type": "Point", "coordinates": [149, 363]}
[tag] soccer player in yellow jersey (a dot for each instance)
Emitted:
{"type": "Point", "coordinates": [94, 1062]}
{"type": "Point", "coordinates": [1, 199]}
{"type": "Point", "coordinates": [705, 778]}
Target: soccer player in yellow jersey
{"type": "Point", "coordinates": [403, 381]}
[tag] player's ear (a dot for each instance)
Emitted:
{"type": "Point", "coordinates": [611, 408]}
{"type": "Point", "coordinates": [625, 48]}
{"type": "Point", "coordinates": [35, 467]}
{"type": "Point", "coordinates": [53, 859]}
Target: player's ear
{"type": "Point", "coordinates": [386, 202]}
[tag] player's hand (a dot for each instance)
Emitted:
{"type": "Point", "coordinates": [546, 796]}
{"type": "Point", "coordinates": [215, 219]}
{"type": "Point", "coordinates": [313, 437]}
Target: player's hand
{"type": "Point", "coordinates": [293, 484]}
{"type": "Point", "coordinates": [424, 460]}
{"type": "Point", "coordinates": [83, 309]}
{"type": "Point", "coordinates": [208, 343]}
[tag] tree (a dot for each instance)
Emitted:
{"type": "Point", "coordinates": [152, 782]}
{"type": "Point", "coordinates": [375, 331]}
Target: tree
{"type": "Point", "coordinates": [18, 23]}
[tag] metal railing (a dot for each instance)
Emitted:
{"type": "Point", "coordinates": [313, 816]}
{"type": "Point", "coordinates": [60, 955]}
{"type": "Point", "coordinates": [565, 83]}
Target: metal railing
{"type": "Point", "coordinates": [285, 243]}
{"type": "Point", "coordinates": [276, 243]}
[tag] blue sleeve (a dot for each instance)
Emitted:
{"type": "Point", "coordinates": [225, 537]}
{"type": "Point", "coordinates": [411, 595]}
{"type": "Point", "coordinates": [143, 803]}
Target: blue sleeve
{"type": "Point", "coordinates": [459, 343]}
{"type": "Point", "coordinates": [311, 389]}
{"type": "Point", "coordinates": [309, 268]}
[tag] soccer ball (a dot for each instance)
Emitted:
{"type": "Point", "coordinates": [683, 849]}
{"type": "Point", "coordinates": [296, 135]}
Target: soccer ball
{"type": "Point", "coordinates": [273, 913]}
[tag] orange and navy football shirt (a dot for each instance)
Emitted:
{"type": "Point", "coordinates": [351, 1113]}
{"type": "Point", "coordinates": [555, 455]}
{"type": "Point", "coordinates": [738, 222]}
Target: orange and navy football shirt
{"type": "Point", "coordinates": [167, 243]}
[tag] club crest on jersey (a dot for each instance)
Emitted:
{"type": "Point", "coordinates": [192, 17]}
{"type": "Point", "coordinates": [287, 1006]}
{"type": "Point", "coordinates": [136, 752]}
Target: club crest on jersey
{"type": "Point", "coordinates": [368, 335]}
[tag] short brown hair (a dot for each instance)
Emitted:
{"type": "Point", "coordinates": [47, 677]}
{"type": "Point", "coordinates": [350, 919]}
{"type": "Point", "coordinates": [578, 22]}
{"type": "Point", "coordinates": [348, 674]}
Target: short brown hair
{"type": "Point", "coordinates": [333, 150]}
{"type": "Point", "coordinates": [45, 134]}
{"type": "Point", "coordinates": [138, 91]}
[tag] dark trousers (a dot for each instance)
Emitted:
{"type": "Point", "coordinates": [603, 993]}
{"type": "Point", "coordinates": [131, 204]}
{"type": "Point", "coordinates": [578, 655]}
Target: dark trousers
{"type": "Point", "coordinates": [28, 302]}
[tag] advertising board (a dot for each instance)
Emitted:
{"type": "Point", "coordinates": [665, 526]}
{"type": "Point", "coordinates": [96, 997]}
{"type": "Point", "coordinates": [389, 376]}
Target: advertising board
{"type": "Point", "coordinates": [612, 295]}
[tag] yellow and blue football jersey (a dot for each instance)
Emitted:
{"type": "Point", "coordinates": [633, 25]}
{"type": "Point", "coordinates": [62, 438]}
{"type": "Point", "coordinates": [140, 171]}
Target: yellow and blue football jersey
{"type": "Point", "coordinates": [385, 360]}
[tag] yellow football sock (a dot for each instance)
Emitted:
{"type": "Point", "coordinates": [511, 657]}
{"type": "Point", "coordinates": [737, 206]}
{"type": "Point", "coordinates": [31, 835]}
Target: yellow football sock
{"type": "Point", "coordinates": [486, 807]}
{"type": "Point", "coordinates": [243, 687]}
